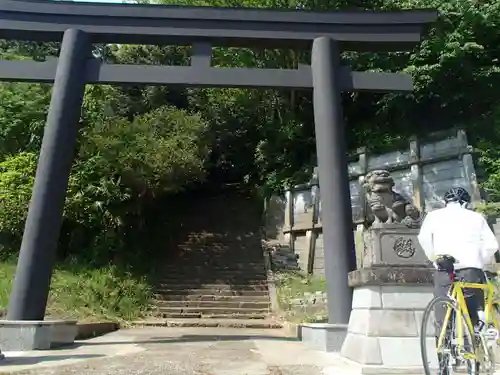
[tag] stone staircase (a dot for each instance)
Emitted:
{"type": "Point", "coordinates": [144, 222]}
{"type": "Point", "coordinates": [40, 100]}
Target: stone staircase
{"type": "Point", "coordinates": [217, 276]}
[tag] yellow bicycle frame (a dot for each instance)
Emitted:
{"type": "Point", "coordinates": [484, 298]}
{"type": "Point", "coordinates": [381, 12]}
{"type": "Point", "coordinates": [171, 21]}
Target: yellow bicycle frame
{"type": "Point", "coordinates": [457, 295]}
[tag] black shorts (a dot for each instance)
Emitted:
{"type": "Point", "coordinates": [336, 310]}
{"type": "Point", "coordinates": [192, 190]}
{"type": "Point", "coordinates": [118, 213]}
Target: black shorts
{"type": "Point", "coordinates": [473, 297]}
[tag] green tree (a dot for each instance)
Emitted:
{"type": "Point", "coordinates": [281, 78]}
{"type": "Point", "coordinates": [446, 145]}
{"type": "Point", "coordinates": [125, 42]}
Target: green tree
{"type": "Point", "coordinates": [17, 175]}
{"type": "Point", "coordinates": [120, 167]}
{"type": "Point", "coordinates": [456, 74]}
{"type": "Point", "coordinates": [127, 157]}
{"type": "Point", "coordinates": [22, 116]}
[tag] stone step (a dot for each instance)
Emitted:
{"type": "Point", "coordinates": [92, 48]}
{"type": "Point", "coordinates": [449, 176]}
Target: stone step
{"type": "Point", "coordinates": [264, 306]}
{"type": "Point", "coordinates": [212, 311]}
{"type": "Point", "coordinates": [212, 280]}
{"type": "Point", "coordinates": [198, 293]}
{"type": "Point", "coordinates": [209, 255]}
{"type": "Point", "coordinates": [222, 262]}
{"type": "Point", "coordinates": [209, 276]}
{"type": "Point", "coordinates": [219, 245]}
{"type": "Point", "coordinates": [226, 266]}
{"type": "Point", "coordinates": [203, 315]}
{"type": "Point", "coordinates": [216, 271]}
{"type": "Point", "coordinates": [238, 265]}
{"type": "Point", "coordinates": [220, 280]}
{"type": "Point", "coordinates": [209, 251]}
{"type": "Point", "coordinates": [257, 297]}
{"type": "Point", "coordinates": [214, 286]}
{"type": "Point", "coordinates": [196, 238]}
{"type": "Point", "coordinates": [209, 272]}
{"type": "Point", "coordinates": [212, 323]}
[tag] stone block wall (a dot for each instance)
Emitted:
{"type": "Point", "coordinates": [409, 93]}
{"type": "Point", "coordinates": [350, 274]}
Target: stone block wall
{"type": "Point", "coordinates": [319, 256]}
{"type": "Point", "coordinates": [281, 257]}
{"type": "Point", "coordinates": [495, 225]}
{"type": "Point", "coordinates": [423, 171]}
{"type": "Point", "coordinates": [384, 327]}
{"type": "Point", "coordinates": [301, 246]}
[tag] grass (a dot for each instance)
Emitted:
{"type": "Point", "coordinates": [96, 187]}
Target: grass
{"type": "Point", "coordinates": [293, 285]}
{"type": "Point", "coordinates": [489, 209]}
{"type": "Point", "coordinates": [89, 295]}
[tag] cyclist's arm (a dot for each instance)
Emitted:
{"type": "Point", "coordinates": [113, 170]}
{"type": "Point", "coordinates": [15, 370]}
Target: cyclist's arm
{"type": "Point", "coordinates": [425, 237]}
{"type": "Point", "coordinates": [489, 243]}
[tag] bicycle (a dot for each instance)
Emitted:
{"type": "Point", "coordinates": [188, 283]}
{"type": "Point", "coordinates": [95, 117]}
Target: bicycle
{"type": "Point", "coordinates": [458, 343]}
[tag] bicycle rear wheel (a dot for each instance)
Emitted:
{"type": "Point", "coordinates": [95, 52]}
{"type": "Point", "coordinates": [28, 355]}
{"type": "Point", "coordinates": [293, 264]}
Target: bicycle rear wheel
{"type": "Point", "coordinates": [451, 358]}
{"type": "Point", "coordinates": [488, 343]}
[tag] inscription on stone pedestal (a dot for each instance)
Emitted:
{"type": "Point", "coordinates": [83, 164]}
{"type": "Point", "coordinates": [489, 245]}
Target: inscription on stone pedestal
{"type": "Point", "coordinates": [403, 247]}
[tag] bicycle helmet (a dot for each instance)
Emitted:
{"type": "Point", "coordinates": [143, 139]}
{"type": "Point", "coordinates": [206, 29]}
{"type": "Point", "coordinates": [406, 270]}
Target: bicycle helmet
{"type": "Point", "coordinates": [457, 194]}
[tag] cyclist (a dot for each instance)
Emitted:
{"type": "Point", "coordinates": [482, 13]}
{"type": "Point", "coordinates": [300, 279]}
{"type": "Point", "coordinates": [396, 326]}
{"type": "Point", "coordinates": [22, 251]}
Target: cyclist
{"type": "Point", "coordinates": [463, 234]}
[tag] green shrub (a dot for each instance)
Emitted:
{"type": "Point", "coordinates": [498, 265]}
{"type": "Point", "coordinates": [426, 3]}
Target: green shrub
{"type": "Point", "coordinates": [7, 272]}
{"type": "Point", "coordinates": [89, 294]}
{"type": "Point", "coordinates": [122, 166]}
{"type": "Point", "coordinates": [17, 175]}
{"type": "Point", "coordinates": [293, 285]}
{"type": "Point", "coordinates": [489, 209]}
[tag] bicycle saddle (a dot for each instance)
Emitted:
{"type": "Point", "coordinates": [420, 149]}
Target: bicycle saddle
{"type": "Point", "coordinates": [446, 263]}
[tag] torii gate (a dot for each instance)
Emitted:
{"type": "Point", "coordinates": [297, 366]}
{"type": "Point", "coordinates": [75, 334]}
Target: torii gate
{"type": "Point", "coordinates": [79, 25]}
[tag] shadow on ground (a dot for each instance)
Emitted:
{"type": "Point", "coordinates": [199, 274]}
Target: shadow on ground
{"type": "Point", "coordinates": [28, 360]}
{"type": "Point", "coordinates": [187, 339]}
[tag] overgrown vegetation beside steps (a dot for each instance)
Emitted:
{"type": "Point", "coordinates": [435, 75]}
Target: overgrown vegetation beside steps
{"type": "Point", "coordinates": [89, 295]}
{"type": "Point", "coordinates": [111, 294]}
{"type": "Point", "coordinates": [293, 289]}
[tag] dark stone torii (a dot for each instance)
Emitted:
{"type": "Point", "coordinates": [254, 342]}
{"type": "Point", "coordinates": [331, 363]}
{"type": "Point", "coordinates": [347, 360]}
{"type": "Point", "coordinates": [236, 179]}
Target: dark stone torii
{"type": "Point", "coordinates": [79, 25]}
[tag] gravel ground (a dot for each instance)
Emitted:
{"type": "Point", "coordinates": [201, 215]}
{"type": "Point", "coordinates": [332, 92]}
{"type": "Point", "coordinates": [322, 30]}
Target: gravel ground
{"type": "Point", "coordinates": [172, 351]}
{"type": "Point", "coordinates": [152, 365]}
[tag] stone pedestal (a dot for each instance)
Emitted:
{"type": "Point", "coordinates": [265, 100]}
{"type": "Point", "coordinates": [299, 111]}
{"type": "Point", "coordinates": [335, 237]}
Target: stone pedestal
{"type": "Point", "coordinates": [323, 336]}
{"type": "Point", "coordinates": [36, 335]}
{"type": "Point", "coordinates": [384, 327]}
{"type": "Point", "coordinates": [389, 244]}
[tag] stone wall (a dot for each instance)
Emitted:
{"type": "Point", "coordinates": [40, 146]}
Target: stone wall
{"type": "Point", "coordinates": [422, 173]}
{"type": "Point", "coordinates": [495, 226]}
{"type": "Point", "coordinates": [281, 256]}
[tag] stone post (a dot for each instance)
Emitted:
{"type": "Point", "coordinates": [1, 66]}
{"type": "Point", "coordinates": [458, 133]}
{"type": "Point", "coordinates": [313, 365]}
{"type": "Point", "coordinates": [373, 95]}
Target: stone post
{"type": "Point", "coordinates": [43, 224]}
{"type": "Point", "coordinates": [26, 328]}
{"type": "Point", "coordinates": [336, 211]}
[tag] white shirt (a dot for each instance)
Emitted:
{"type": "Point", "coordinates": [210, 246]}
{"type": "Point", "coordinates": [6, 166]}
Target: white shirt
{"type": "Point", "coordinates": [460, 233]}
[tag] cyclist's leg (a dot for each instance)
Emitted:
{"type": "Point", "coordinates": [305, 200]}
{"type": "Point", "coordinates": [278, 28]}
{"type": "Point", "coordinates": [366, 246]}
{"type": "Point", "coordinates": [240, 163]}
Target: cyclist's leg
{"type": "Point", "coordinates": [473, 297]}
{"type": "Point", "coordinates": [442, 285]}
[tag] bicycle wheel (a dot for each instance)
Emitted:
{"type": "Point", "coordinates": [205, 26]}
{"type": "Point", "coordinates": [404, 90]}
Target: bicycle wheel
{"type": "Point", "coordinates": [485, 357]}
{"type": "Point", "coordinates": [488, 342]}
{"type": "Point", "coordinates": [450, 357]}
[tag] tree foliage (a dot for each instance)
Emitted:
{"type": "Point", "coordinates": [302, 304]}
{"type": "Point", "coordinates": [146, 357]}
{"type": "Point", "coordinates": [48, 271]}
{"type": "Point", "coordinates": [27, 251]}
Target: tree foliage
{"type": "Point", "coordinates": [17, 175]}
{"type": "Point", "coordinates": [22, 117]}
{"type": "Point", "coordinates": [139, 144]}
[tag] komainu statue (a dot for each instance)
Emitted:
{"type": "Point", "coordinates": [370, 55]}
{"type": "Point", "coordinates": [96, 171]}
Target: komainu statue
{"type": "Point", "coordinates": [385, 205]}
